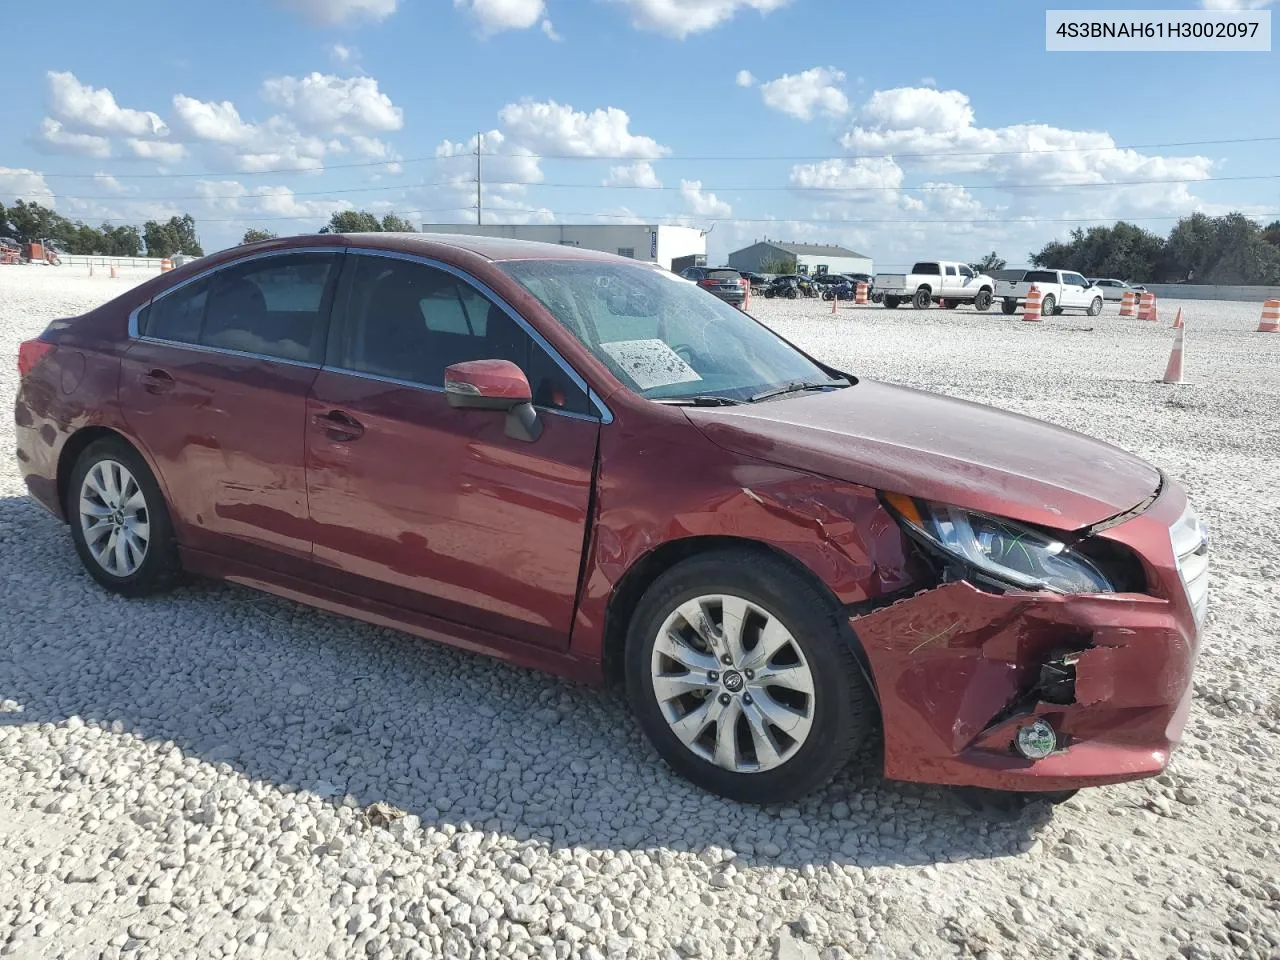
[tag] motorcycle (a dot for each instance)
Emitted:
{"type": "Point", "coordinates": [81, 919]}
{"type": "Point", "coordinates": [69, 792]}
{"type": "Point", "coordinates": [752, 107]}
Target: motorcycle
{"type": "Point", "coordinates": [838, 291]}
{"type": "Point", "coordinates": [787, 287]}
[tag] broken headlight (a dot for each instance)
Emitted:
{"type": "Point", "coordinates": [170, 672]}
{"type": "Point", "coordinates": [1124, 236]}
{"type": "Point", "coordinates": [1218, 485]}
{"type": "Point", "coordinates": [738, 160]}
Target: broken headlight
{"type": "Point", "coordinates": [1002, 549]}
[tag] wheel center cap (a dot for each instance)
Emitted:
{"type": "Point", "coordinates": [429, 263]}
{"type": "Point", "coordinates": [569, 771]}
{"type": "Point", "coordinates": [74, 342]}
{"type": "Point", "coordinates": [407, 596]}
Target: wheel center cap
{"type": "Point", "coordinates": [732, 681]}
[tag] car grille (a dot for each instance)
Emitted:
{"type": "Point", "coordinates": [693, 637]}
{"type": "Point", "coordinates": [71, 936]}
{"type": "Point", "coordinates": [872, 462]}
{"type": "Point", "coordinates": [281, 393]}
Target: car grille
{"type": "Point", "coordinates": [1192, 550]}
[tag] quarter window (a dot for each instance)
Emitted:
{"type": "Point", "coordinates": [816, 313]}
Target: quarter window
{"type": "Point", "coordinates": [177, 316]}
{"type": "Point", "coordinates": [409, 321]}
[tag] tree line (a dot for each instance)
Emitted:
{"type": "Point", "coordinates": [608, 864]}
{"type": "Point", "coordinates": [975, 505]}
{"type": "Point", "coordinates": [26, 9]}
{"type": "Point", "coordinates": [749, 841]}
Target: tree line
{"type": "Point", "coordinates": [1231, 249]}
{"type": "Point", "coordinates": [346, 221]}
{"type": "Point", "coordinates": [27, 222]}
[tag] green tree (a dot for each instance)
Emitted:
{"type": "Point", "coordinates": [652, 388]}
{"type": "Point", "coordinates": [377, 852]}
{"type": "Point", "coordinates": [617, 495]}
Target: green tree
{"type": "Point", "coordinates": [1123, 251]}
{"type": "Point", "coordinates": [353, 221]}
{"type": "Point", "coordinates": [392, 223]}
{"type": "Point", "coordinates": [254, 235]}
{"type": "Point", "coordinates": [992, 261]}
{"type": "Point", "coordinates": [779, 265]}
{"type": "Point", "coordinates": [176, 236]}
{"type": "Point", "coordinates": [1271, 233]}
{"type": "Point", "coordinates": [1223, 250]}
{"type": "Point", "coordinates": [121, 241]}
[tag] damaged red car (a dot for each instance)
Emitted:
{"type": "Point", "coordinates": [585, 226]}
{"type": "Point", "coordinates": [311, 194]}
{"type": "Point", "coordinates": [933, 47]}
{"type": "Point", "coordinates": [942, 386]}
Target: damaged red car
{"type": "Point", "coordinates": [581, 464]}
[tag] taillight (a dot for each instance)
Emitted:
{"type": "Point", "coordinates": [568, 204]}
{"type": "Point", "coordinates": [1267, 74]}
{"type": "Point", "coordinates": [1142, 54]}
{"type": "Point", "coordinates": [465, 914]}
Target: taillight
{"type": "Point", "coordinates": [31, 353]}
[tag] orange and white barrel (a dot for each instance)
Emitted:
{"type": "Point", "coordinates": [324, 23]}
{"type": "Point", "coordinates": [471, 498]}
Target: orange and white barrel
{"type": "Point", "coordinates": [1128, 304]}
{"type": "Point", "coordinates": [861, 296]}
{"type": "Point", "coordinates": [166, 265]}
{"type": "Point", "coordinates": [1031, 312]}
{"type": "Point", "coordinates": [1147, 306]}
{"type": "Point", "coordinates": [1270, 317]}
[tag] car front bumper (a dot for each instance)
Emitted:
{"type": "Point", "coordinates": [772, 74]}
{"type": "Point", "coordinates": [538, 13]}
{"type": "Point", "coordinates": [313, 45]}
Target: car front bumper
{"type": "Point", "coordinates": [959, 671]}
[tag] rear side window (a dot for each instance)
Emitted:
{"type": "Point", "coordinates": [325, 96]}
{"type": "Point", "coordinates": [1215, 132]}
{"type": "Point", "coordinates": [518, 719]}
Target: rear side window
{"type": "Point", "coordinates": [178, 315]}
{"type": "Point", "coordinates": [409, 321]}
{"type": "Point", "coordinates": [951, 271]}
{"type": "Point", "coordinates": [275, 307]}
{"type": "Point", "coordinates": [1040, 276]}
{"type": "Point", "coordinates": [930, 269]}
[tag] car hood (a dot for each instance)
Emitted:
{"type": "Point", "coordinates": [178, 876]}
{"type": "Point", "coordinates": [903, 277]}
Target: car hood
{"type": "Point", "coordinates": [952, 451]}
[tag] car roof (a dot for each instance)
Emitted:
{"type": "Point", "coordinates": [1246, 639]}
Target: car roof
{"type": "Point", "coordinates": [490, 248]}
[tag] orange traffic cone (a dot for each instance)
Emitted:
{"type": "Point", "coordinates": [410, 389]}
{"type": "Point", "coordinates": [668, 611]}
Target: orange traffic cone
{"type": "Point", "coordinates": [91, 269]}
{"type": "Point", "coordinates": [835, 298]}
{"type": "Point", "coordinates": [1031, 312]}
{"type": "Point", "coordinates": [1177, 321]}
{"type": "Point", "coordinates": [1270, 317]}
{"type": "Point", "coordinates": [1173, 372]}
{"type": "Point", "coordinates": [114, 275]}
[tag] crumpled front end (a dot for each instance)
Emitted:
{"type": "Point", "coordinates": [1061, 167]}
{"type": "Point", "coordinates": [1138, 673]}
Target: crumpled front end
{"type": "Point", "coordinates": [960, 670]}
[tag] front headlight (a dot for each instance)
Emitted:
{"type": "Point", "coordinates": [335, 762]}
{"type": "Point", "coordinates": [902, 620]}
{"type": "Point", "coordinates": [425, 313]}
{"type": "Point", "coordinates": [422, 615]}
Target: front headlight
{"type": "Point", "coordinates": [1003, 549]}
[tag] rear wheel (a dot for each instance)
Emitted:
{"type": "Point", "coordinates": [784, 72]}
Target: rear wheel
{"type": "Point", "coordinates": [922, 299]}
{"type": "Point", "coordinates": [119, 521]}
{"type": "Point", "coordinates": [768, 293]}
{"type": "Point", "coordinates": [892, 302]}
{"type": "Point", "coordinates": [742, 679]}
{"type": "Point", "coordinates": [1008, 307]}
{"type": "Point", "coordinates": [793, 293]}
{"type": "Point", "coordinates": [1095, 308]}
{"type": "Point", "coordinates": [982, 302]}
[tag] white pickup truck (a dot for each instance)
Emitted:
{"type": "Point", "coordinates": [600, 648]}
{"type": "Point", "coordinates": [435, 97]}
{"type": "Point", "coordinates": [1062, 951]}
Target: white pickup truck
{"type": "Point", "coordinates": [931, 281]}
{"type": "Point", "coordinates": [1060, 290]}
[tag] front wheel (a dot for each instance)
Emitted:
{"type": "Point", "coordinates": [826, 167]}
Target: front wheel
{"type": "Point", "coordinates": [1095, 308]}
{"type": "Point", "coordinates": [793, 293]}
{"type": "Point", "coordinates": [922, 299]}
{"type": "Point", "coordinates": [828, 295]}
{"type": "Point", "coordinates": [119, 521]}
{"type": "Point", "coordinates": [982, 302]}
{"type": "Point", "coordinates": [769, 294]}
{"type": "Point", "coordinates": [741, 677]}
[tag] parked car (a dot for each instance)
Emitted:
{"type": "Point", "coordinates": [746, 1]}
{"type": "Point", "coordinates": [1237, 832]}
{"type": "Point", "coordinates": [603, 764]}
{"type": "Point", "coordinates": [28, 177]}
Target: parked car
{"type": "Point", "coordinates": [725, 282]}
{"type": "Point", "coordinates": [931, 281]}
{"type": "Point", "coordinates": [1060, 290]}
{"type": "Point", "coordinates": [572, 462]}
{"type": "Point", "coordinates": [1116, 289]}
{"type": "Point", "coordinates": [758, 281]}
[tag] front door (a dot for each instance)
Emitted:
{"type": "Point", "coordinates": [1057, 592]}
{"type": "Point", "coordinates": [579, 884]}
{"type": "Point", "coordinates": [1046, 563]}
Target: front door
{"type": "Point", "coordinates": [434, 509]}
{"type": "Point", "coordinates": [214, 388]}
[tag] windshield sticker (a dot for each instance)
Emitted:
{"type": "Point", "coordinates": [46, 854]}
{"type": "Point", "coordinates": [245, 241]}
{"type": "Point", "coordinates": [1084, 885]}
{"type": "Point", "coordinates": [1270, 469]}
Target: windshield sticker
{"type": "Point", "coordinates": [650, 363]}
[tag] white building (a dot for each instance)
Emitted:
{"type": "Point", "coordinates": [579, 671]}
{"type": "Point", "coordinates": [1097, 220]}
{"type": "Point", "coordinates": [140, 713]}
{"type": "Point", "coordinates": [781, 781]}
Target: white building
{"type": "Point", "coordinates": [653, 243]}
{"type": "Point", "coordinates": [810, 258]}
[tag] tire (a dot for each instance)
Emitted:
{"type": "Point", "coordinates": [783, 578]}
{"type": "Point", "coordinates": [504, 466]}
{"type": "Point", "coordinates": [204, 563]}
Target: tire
{"type": "Point", "coordinates": [839, 714]}
{"type": "Point", "coordinates": [106, 461]}
{"type": "Point", "coordinates": [1095, 308]}
{"type": "Point", "coordinates": [922, 299]}
{"type": "Point", "coordinates": [793, 293]}
{"type": "Point", "coordinates": [982, 302]}
{"type": "Point", "coordinates": [1008, 307]}
{"type": "Point", "coordinates": [891, 303]}
{"type": "Point", "coordinates": [1048, 306]}
{"type": "Point", "coordinates": [828, 295]}
{"type": "Point", "coordinates": [769, 294]}
{"type": "Point", "coordinates": [952, 304]}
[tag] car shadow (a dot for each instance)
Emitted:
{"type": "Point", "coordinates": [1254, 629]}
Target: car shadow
{"type": "Point", "coordinates": [290, 695]}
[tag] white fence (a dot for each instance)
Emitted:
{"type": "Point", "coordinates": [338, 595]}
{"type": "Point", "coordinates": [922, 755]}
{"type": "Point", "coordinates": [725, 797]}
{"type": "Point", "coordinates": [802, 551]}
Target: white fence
{"type": "Point", "coordinates": [131, 263]}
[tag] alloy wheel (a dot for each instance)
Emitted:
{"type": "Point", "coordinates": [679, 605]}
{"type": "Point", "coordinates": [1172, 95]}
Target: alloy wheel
{"type": "Point", "coordinates": [114, 518]}
{"type": "Point", "coordinates": [732, 683]}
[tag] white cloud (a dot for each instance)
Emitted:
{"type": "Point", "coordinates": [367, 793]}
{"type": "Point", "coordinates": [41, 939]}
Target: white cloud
{"type": "Point", "coordinates": [371, 148]}
{"type": "Point", "coordinates": [680, 18]}
{"type": "Point", "coordinates": [272, 145]}
{"type": "Point", "coordinates": [85, 108]}
{"type": "Point", "coordinates": [342, 54]}
{"type": "Point", "coordinates": [919, 108]}
{"type": "Point", "coordinates": [162, 151]}
{"type": "Point", "coordinates": [336, 12]}
{"type": "Point", "coordinates": [54, 138]}
{"type": "Point", "coordinates": [107, 182]}
{"type": "Point", "coordinates": [19, 183]}
{"type": "Point", "coordinates": [232, 196]}
{"type": "Point", "coordinates": [556, 129]}
{"type": "Point", "coordinates": [804, 94]}
{"type": "Point", "coordinates": [745, 79]}
{"type": "Point", "coordinates": [701, 203]}
{"type": "Point", "coordinates": [334, 105]}
{"type": "Point", "coordinates": [867, 175]}
{"type": "Point", "coordinates": [494, 16]}
{"type": "Point", "coordinates": [550, 31]}
{"type": "Point", "coordinates": [638, 174]}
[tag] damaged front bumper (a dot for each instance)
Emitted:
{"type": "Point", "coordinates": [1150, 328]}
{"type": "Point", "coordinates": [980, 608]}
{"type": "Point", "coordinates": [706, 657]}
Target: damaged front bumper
{"type": "Point", "coordinates": [960, 670]}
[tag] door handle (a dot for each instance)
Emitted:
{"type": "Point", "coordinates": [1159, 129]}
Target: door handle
{"type": "Point", "coordinates": [157, 381]}
{"type": "Point", "coordinates": [338, 426]}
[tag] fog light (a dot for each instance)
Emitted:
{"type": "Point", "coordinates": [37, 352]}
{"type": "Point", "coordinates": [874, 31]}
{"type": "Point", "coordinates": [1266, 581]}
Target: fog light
{"type": "Point", "coordinates": [1037, 740]}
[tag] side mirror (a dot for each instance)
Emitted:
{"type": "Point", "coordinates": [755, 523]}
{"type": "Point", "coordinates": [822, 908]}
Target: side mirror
{"type": "Point", "coordinates": [494, 385]}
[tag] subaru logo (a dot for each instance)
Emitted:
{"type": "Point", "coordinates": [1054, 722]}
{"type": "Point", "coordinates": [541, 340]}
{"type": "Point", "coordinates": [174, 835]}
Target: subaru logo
{"type": "Point", "coordinates": [733, 681]}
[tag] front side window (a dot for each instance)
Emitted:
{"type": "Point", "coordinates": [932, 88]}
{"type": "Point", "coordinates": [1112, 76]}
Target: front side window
{"type": "Point", "coordinates": [275, 307]}
{"type": "Point", "coordinates": [966, 272]}
{"type": "Point", "coordinates": [409, 321]}
{"type": "Point", "coordinates": [662, 338]}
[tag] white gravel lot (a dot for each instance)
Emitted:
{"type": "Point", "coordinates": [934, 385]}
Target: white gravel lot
{"type": "Point", "coordinates": [193, 775]}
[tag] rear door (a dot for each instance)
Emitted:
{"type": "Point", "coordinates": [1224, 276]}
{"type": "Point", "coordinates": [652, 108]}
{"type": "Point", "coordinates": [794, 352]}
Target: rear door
{"type": "Point", "coordinates": [434, 509]}
{"type": "Point", "coordinates": [214, 387]}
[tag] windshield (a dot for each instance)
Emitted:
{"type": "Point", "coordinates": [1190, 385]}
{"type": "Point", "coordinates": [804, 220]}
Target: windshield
{"type": "Point", "coordinates": [662, 336]}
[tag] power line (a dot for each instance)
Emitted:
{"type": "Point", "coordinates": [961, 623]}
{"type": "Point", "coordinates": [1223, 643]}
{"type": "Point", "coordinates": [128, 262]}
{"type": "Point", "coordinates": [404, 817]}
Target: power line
{"type": "Point", "coordinates": [815, 188]}
{"type": "Point", "coordinates": [726, 158]}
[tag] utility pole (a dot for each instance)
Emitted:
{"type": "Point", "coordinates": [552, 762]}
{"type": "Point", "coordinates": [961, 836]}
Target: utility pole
{"type": "Point", "coordinates": [479, 200]}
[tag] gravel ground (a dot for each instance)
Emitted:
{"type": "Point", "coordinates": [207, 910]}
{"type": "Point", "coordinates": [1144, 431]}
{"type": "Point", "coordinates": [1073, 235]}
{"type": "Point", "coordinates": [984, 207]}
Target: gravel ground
{"type": "Point", "coordinates": [218, 773]}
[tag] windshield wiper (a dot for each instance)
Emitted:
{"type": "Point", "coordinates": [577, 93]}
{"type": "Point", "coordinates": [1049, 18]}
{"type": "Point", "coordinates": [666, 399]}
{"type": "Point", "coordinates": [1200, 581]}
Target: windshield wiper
{"type": "Point", "coordinates": [702, 400]}
{"type": "Point", "coordinates": [796, 386]}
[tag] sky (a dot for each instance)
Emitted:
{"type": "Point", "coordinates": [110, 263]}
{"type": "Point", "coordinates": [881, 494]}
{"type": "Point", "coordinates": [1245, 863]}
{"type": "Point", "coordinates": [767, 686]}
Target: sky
{"type": "Point", "coordinates": [907, 130]}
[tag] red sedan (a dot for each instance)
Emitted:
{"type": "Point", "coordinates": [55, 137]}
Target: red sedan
{"type": "Point", "coordinates": [579, 463]}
